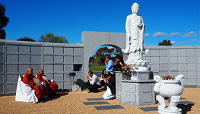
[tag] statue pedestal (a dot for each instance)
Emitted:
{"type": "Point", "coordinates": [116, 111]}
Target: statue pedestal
{"type": "Point", "coordinates": [139, 92]}
{"type": "Point", "coordinates": [169, 111]}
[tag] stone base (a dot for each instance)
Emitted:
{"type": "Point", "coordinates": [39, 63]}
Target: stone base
{"type": "Point", "coordinates": [169, 111]}
{"type": "Point", "coordinates": [138, 92]}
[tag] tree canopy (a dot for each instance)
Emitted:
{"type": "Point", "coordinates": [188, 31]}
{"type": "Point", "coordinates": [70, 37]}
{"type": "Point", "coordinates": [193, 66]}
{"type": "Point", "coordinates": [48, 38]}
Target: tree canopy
{"type": "Point", "coordinates": [165, 43]}
{"type": "Point", "coordinates": [25, 38]}
{"type": "Point", "coordinates": [49, 37]}
{"type": "Point", "coordinates": [3, 21]}
{"type": "Point", "coordinates": [102, 52]}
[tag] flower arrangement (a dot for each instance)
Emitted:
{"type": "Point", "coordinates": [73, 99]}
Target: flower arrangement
{"type": "Point", "coordinates": [126, 69]}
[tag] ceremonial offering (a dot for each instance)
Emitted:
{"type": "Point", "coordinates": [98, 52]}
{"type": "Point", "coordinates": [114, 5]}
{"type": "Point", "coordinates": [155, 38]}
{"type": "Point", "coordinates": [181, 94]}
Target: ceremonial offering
{"type": "Point", "coordinates": [169, 78]}
{"type": "Point", "coordinates": [37, 81]}
{"type": "Point", "coordinates": [45, 78]}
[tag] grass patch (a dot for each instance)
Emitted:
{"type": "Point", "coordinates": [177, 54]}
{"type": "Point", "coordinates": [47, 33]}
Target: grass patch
{"type": "Point", "coordinates": [97, 68]}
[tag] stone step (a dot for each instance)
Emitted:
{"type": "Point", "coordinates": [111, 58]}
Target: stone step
{"type": "Point", "coordinates": [94, 99]}
{"type": "Point", "coordinates": [148, 109]}
{"type": "Point", "coordinates": [95, 103]}
{"type": "Point", "coordinates": [110, 107]}
{"type": "Point", "coordinates": [100, 102]}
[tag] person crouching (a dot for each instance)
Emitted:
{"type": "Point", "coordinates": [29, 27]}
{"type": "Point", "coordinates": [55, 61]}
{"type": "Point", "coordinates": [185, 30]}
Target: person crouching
{"type": "Point", "coordinates": [93, 82]}
{"type": "Point", "coordinates": [110, 83]}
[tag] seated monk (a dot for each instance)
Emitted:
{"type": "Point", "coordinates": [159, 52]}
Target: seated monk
{"type": "Point", "coordinates": [40, 90]}
{"type": "Point", "coordinates": [52, 86]}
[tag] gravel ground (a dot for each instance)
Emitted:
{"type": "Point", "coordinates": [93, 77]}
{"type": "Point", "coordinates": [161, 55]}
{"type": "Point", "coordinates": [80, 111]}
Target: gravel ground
{"type": "Point", "coordinates": [72, 103]}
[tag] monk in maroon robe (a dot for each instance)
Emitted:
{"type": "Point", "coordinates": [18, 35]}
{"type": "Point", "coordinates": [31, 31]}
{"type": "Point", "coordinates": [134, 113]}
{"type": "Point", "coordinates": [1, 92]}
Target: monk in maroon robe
{"type": "Point", "coordinates": [52, 86]}
{"type": "Point", "coordinates": [40, 90]}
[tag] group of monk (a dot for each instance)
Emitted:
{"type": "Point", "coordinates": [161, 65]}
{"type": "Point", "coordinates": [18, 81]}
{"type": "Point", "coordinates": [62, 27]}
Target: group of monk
{"type": "Point", "coordinates": [42, 90]}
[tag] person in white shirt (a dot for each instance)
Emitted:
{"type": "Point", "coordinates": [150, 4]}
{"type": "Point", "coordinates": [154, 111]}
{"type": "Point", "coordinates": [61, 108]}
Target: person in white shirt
{"type": "Point", "coordinates": [93, 82]}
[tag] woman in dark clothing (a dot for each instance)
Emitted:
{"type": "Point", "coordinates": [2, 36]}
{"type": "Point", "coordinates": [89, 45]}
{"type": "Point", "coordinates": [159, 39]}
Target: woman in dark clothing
{"type": "Point", "coordinates": [110, 83]}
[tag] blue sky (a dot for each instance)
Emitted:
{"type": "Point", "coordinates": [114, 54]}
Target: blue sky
{"type": "Point", "coordinates": [174, 20]}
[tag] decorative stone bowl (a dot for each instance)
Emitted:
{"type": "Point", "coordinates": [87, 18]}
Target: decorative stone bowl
{"type": "Point", "coordinates": [168, 88]}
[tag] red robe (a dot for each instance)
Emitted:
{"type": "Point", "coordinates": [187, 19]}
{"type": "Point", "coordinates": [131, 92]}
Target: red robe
{"type": "Point", "coordinates": [52, 86]}
{"type": "Point", "coordinates": [27, 79]}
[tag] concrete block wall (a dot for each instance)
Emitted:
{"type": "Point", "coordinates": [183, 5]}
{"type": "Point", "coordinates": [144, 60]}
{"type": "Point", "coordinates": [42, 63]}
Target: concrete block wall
{"type": "Point", "coordinates": [58, 59]}
{"type": "Point", "coordinates": [174, 60]}
{"type": "Point", "coordinates": [54, 58]}
{"type": "Point", "coordinates": [1, 68]}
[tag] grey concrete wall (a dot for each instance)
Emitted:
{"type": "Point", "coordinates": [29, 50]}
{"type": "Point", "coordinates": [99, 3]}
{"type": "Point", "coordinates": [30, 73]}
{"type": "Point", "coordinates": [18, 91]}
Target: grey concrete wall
{"type": "Point", "coordinates": [55, 59]}
{"type": "Point", "coordinates": [174, 60]}
{"type": "Point", "coordinates": [58, 59]}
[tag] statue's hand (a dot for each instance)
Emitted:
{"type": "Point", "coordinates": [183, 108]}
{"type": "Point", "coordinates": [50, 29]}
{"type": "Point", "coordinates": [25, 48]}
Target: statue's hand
{"type": "Point", "coordinates": [124, 50]}
{"type": "Point", "coordinates": [129, 39]}
{"type": "Point", "coordinates": [139, 25]}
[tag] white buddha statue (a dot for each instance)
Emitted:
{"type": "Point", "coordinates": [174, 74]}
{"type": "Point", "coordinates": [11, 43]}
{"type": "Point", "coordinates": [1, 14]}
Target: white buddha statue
{"type": "Point", "coordinates": [135, 38]}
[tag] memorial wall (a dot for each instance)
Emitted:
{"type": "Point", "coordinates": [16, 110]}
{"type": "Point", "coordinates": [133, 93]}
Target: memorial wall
{"type": "Point", "coordinates": [58, 59]}
{"type": "Point", "coordinates": [55, 59]}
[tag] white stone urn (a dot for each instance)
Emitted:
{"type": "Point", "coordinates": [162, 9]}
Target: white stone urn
{"type": "Point", "coordinates": [168, 88]}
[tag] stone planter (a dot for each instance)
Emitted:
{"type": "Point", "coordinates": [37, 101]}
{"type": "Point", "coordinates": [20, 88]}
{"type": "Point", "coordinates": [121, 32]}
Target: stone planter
{"type": "Point", "coordinates": [168, 88]}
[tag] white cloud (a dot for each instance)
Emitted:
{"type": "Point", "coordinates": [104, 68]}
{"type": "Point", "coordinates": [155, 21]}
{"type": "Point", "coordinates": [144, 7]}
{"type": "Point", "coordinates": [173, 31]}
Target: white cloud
{"type": "Point", "coordinates": [62, 33]}
{"type": "Point", "coordinates": [188, 34]}
{"type": "Point", "coordinates": [175, 33]}
{"type": "Point", "coordinates": [147, 34]}
{"type": "Point", "coordinates": [157, 34]}
{"type": "Point", "coordinates": [172, 42]}
{"type": "Point", "coordinates": [178, 34]}
{"type": "Point", "coordinates": [149, 45]}
{"type": "Point", "coordinates": [194, 40]}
